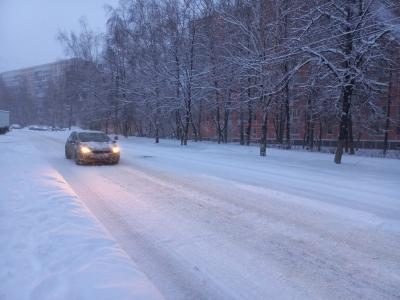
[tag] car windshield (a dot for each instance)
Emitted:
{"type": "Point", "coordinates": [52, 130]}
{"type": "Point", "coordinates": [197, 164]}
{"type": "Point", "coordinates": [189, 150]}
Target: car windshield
{"type": "Point", "coordinates": [93, 137]}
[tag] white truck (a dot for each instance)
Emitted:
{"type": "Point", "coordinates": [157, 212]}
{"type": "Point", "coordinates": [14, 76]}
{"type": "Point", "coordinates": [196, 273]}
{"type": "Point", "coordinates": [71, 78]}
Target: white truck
{"type": "Point", "coordinates": [4, 121]}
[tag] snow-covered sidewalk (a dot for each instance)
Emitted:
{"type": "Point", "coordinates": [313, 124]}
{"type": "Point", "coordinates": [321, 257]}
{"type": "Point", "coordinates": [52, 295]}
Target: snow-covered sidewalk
{"type": "Point", "coordinates": [51, 247]}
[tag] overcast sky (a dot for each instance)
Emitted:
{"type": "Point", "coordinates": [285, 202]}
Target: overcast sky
{"type": "Point", "coordinates": [28, 28]}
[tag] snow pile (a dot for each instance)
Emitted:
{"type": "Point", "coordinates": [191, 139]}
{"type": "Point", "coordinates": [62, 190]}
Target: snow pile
{"type": "Point", "coordinates": [51, 247]}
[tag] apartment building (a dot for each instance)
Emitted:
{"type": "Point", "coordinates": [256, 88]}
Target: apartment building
{"type": "Point", "coordinates": [29, 87]}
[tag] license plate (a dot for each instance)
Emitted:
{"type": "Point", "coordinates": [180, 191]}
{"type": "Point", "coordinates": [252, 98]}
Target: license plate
{"type": "Point", "coordinates": [101, 156]}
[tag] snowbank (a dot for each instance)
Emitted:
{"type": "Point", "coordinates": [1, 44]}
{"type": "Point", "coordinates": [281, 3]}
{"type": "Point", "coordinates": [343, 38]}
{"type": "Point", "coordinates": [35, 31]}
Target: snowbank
{"type": "Point", "coordinates": [51, 247]}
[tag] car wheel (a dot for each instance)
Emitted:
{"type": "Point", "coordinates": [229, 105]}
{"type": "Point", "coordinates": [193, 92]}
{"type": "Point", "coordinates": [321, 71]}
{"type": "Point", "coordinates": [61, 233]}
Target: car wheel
{"type": "Point", "coordinates": [67, 155]}
{"type": "Point", "coordinates": [76, 159]}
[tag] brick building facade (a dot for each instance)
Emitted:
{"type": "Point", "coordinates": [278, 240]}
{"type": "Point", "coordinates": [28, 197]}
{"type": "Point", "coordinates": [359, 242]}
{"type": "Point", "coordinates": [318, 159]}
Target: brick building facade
{"type": "Point", "coordinates": [371, 136]}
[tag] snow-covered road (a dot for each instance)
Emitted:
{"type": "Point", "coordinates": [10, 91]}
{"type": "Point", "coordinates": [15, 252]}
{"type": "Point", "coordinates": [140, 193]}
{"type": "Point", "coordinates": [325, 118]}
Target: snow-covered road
{"type": "Point", "coordinates": [218, 222]}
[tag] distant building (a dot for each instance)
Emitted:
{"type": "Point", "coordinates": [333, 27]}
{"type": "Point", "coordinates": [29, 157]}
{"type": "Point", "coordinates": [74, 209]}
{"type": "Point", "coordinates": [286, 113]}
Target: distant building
{"type": "Point", "coordinates": [37, 78]}
{"type": "Point", "coordinates": [29, 88]}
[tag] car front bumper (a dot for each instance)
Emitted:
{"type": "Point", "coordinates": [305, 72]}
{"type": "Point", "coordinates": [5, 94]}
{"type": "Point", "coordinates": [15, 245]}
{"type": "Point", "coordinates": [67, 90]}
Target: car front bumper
{"type": "Point", "coordinates": [98, 157]}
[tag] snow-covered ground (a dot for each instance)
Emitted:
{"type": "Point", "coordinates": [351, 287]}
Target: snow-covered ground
{"type": "Point", "coordinates": [51, 246]}
{"type": "Point", "coordinates": [208, 221]}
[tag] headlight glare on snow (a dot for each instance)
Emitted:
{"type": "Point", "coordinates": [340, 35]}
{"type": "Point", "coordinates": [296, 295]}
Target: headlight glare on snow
{"type": "Point", "coordinates": [115, 149]}
{"type": "Point", "coordinates": [85, 150]}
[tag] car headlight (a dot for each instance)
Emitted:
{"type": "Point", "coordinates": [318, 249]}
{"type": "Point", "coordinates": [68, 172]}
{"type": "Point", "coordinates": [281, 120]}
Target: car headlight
{"type": "Point", "coordinates": [85, 150]}
{"type": "Point", "coordinates": [115, 149]}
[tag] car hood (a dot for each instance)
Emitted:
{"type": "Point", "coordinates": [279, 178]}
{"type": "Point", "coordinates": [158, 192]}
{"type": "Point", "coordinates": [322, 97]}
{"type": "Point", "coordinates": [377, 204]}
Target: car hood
{"type": "Point", "coordinates": [99, 146]}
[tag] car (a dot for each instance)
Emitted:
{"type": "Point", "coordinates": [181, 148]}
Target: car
{"type": "Point", "coordinates": [38, 127]}
{"type": "Point", "coordinates": [92, 147]}
{"type": "Point", "coordinates": [56, 128]}
{"type": "Point", "coordinates": [16, 126]}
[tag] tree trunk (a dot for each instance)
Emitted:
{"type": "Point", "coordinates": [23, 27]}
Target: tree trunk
{"type": "Point", "coordinates": [186, 130]}
{"type": "Point", "coordinates": [287, 110]}
{"type": "Point", "coordinates": [157, 132]}
{"type": "Point", "coordinates": [249, 124]}
{"type": "Point", "coordinates": [346, 94]}
{"type": "Point", "coordinates": [264, 131]}
{"type": "Point", "coordinates": [311, 135]}
{"type": "Point", "coordinates": [305, 135]}
{"type": "Point", "coordinates": [310, 124]}
{"type": "Point", "coordinates": [344, 122]}
{"type": "Point", "coordinates": [320, 136]}
{"type": "Point", "coordinates": [195, 132]}
{"type": "Point", "coordinates": [280, 125]}
{"type": "Point", "coordinates": [288, 145]}
{"type": "Point", "coordinates": [149, 129]}
{"type": "Point", "coordinates": [178, 125]}
{"type": "Point", "coordinates": [351, 139]}
{"type": "Point", "coordinates": [387, 124]}
{"type": "Point", "coordinates": [116, 127]}
{"type": "Point", "coordinates": [70, 117]}
{"type": "Point", "coordinates": [106, 125]}
{"type": "Point", "coordinates": [126, 128]}
{"type": "Point", "coordinates": [241, 128]}
{"type": "Point", "coordinates": [226, 126]}
{"type": "Point", "coordinates": [358, 140]}
{"type": "Point", "coordinates": [199, 135]}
